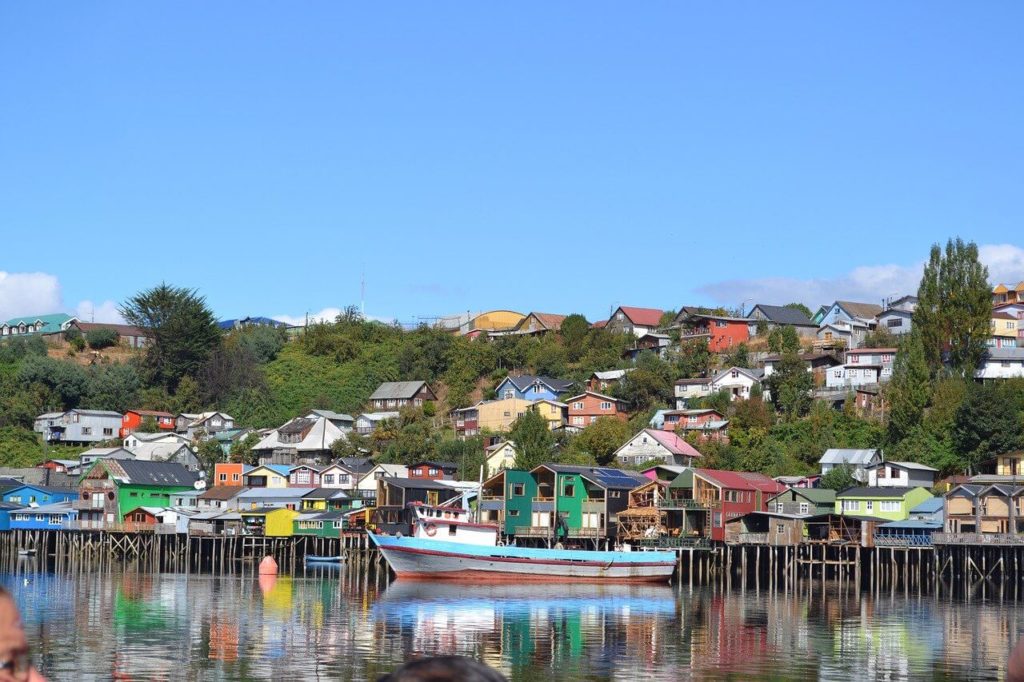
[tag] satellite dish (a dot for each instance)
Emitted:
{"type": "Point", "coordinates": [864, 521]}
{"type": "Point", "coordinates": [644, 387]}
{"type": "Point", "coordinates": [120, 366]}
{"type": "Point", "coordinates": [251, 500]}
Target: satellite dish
{"type": "Point", "coordinates": [199, 485]}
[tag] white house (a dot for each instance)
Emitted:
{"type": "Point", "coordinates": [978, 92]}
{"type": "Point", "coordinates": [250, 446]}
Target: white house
{"type": "Point", "coordinates": [736, 381]}
{"type": "Point", "coordinates": [366, 486]}
{"type": "Point", "coordinates": [136, 438]}
{"type": "Point", "coordinates": [339, 477]}
{"type": "Point", "coordinates": [898, 315]}
{"type": "Point", "coordinates": [367, 422]}
{"type": "Point", "coordinates": [857, 460]}
{"type": "Point", "coordinates": [661, 447]}
{"type": "Point", "coordinates": [901, 475]}
{"type": "Point", "coordinates": [1001, 363]}
{"type": "Point", "coordinates": [167, 452]}
{"type": "Point", "coordinates": [863, 366]}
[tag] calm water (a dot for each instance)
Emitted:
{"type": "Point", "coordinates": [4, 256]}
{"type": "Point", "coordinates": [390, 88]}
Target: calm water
{"type": "Point", "coordinates": [336, 625]}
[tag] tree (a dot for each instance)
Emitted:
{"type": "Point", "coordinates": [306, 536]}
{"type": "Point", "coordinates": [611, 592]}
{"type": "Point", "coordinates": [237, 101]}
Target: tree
{"type": "Point", "coordinates": [112, 387]}
{"type": "Point", "coordinates": [209, 453]}
{"type": "Point", "coordinates": [73, 335]}
{"type": "Point", "coordinates": [187, 397]}
{"type": "Point", "coordinates": [533, 440]}
{"type": "Point", "coordinates": [775, 340]}
{"type": "Point", "coordinates": [839, 478]}
{"type": "Point", "coordinates": [694, 359]}
{"type": "Point", "coordinates": [790, 339]}
{"type": "Point", "coordinates": [738, 356]}
{"type": "Point", "coordinates": [601, 439]}
{"type": "Point", "coordinates": [648, 385]}
{"type": "Point", "coordinates": [242, 450]}
{"type": "Point", "coordinates": [183, 329]}
{"type": "Point", "coordinates": [65, 382]}
{"type": "Point", "coordinates": [148, 425]}
{"type": "Point", "coordinates": [908, 391]}
{"type": "Point", "coordinates": [987, 424]}
{"type": "Point", "coordinates": [101, 338]}
{"type": "Point", "coordinates": [574, 330]}
{"type": "Point", "coordinates": [880, 338]}
{"type": "Point", "coordinates": [352, 445]}
{"type": "Point", "coordinates": [954, 309]}
{"type": "Point", "coordinates": [801, 307]}
{"type": "Point", "coordinates": [790, 385]}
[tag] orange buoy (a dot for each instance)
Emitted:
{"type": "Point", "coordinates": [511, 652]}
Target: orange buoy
{"type": "Point", "coordinates": [268, 566]}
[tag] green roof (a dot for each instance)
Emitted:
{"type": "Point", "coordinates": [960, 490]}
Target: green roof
{"type": "Point", "coordinates": [51, 323]}
{"type": "Point", "coordinates": [816, 495]}
{"type": "Point", "coordinates": [683, 480]}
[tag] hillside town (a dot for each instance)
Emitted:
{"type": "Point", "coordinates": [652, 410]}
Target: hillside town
{"type": "Point", "coordinates": [146, 470]}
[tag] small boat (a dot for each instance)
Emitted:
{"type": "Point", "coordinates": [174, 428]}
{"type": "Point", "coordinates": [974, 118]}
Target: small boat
{"type": "Point", "coordinates": [314, 559]}
{"type": "Point", "coordinates": [27, 552]}
{"type": "Point", "coordinates": [445, 545]}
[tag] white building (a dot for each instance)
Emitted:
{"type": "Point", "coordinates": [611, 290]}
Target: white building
{"type": "Point", "coordinates": [901, 475]}
{"type": "Point", "coordinates": [857, 460]}
{"type": "Point", "coordinates": [736, 381]}
{"type": "Point", "coordinates": [1001, 363]}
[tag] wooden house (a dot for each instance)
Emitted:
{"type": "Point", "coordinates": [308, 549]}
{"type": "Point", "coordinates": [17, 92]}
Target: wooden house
{"type": "Point", "coordinates": [367, 422]}
{"type": "Point", "coordinates": [587, 408]}
{"type": "Point", "coordinates": [857, 460]}
{"type": "Point", "coordinates": [498, 457]}
{"type": "Point", "coordinates": [394, 395]}
{"type": "Point", "coordinates": [271, 523]}
{"type": "Point", "coordinates": [27, 495]}
{"type": "Point", "coordinates": [219, 498]}
{"type": "Point", "coordinates": [538, 324]}
{"type": "Point", "coordinates": [900, 475]}
{"type": "Point", "coordinates": [303, 440]}
{"type": "Point", "coordinates": [79, 427]}
{"type": "Point", "coordinates": [721, 332]}
{"type": "Point", "coordinates": [508, 498]}
{"type": "Point", "coordinates": [328, 524]}
{"type": "Point", "coordinates": [133, 419]}
{"type": "Point", "coordinates": [230, 473]}
{"type": "Point", "coordinates": [304, 476]}
{"type": "Point", "coordinates": [268, 476]}
{"type": "Point", "coordinates": [655, 446]}
{"type": "Point", "coordinates": [644, 517]}
{"type": "Point", "coordinates": [368, 482]}
{"type": "Point", "coordinates": [770, 528]}
{"type": "Point", "coordinates": [338, 476]}
{"type": "Point", "coordinates": [708, 424]}
{"type": "Point", "coordinates": [729, 494]}
{"type": "Point", "coordinates": [271, 498]}
{"type": "Point", "coordinates": [777, 316]}
{"type": "Point", "coordinates": [634, 320]}
{"type": "Point", "coordinates": [329, 499]}
{"type": "Point", "coordinates": [529, 387]}
{"type": "Point", "coordinates": [57, 516]}
{"type": "Point", "coordinates": [555, 413]}
{"type": "Point", "coordinates": [889, 504]}
{"type": "Point", "coordinates": [434, 470]}
{"type": "Point", "coordinates": [398, 492]}
{"type": "Point", "coordinates": [803, 501]}
{"type": "Point", "coordinates": [600, 382]}
{"type": "Point", "coordinates": [112, 486]}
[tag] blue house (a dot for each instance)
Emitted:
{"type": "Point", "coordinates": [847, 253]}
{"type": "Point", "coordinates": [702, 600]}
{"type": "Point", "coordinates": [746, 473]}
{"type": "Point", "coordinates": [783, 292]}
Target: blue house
{"type": "Point", "coordinates": [846, 312]}
{"type": "Point", "coordinates": [37, 494]}
{"type": "Point", "coordinates": [46, 517]}
{"type": "Point", "coordinates": [528, 387]}
{"type": "Point", "coordinates": [6, 509]}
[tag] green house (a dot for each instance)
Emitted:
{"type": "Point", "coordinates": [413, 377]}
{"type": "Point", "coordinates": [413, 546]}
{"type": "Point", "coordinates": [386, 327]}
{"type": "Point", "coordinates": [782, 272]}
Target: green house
{"type": "Point", "coordinates": [507, 499]}
{"type": "Point", "coordinates": [891, 504]}
{"type": "Point", "coordinates": [587, 500]}
{"type": "Point", "coordinates": [111, 487]}
{"type": "Point", "coordinates": [321, 525]}
{"type": "Point", "coordinates": [811, 501]}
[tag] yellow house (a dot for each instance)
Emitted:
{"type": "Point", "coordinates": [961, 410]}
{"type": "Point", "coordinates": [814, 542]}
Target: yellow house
{"type": "Point", "coordinates": [555, 413]}
{"type": "Point", "coordinates": [500, 456]}
{"type": "Point", "coordinates": [1004, 325]}
{"type": "Point", "coordinates": [271, 523]}
{"type": "Point", "coordinates": [498, 415]}
{"type": "Point", "coordinates": [268, 476]}
{"type": "Point", "coordinates": [1010, 464]}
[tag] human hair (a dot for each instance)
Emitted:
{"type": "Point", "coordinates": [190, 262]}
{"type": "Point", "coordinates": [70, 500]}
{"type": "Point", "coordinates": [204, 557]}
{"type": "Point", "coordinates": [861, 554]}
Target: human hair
{"type": "Point", "coordinates": [444, 669]}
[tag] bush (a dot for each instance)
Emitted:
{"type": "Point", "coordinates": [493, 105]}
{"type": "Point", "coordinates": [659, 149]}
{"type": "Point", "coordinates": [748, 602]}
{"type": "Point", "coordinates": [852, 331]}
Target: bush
{"type": "Point", "coordinates": [102, 338]}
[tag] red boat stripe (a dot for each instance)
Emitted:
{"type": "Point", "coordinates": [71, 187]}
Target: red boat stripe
{"type": "Point", "coordinates": [524, 560]}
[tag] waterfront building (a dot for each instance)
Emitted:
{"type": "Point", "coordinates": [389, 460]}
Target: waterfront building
{"type": "Point", "coordinates": [326, 524]}
{"type": "Point", "coordinates": [304, 476]}
{"type": "Point", "coordinates": [112, 486]}
{"type": "Point", "coordinates": [804, 501]}
{"type": "Point", "coordinates": [271, 523]}
{"type": "Point", "coordinates": [890, 504]}
{"type": "Point", "coordinates": [367, 484]}
{"type": "Point", "coordinates": [328, 499]}
{"type": "Point", "coordinates": [6, 509]}
{"type": "Point", "coordinates": [263, 498]}
{"type": "Point", "coordinates": [507, 499]}
{"type": "Point", "coordinates": [398, 492]}
{"type": "Point", "coordinates": [37, 494]}
{"type": "Point", "coordinates": [729, 494]}
{"type": "Point", "coordinates": [44, 517]}
{"type": "Point", "coordinates": [338, 476]}
{"type": "Point", "coordinates": [219, 498]}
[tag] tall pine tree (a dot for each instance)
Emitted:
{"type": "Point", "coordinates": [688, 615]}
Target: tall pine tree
{"type": "Point", "coordinates": [909, 391]}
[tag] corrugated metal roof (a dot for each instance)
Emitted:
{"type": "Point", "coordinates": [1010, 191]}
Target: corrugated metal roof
{"type": "Point", "coordinates": [155, 473]}
{"type": "Point", "coordinates": [397, 390]}
{"type": "Point", "coordinates": [524, 381]}
{"type": "Point", "coordinates": [848, 456]}
{"type": "Point", "coordinates": [780, 314]}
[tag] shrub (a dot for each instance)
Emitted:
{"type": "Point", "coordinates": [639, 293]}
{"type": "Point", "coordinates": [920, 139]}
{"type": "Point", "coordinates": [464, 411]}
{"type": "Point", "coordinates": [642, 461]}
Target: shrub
{"type": "Point", "coordinates": [101, 338]}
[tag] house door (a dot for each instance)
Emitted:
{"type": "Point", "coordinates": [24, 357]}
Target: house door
{"type": "Point", "coordinates": [432, 497]}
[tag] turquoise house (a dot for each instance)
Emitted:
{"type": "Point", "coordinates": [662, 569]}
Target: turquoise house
{"type": "Point", "coordinates": [36, 324]}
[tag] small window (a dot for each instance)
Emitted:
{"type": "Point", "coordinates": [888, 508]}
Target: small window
{"type": "Point", "coordinates": [780, 528]}
{"type": "Point", "coordinates": [513, 512]}
{"type": "Point", "coordinates": [805, 508]}
{"type": "Point", "coordinates": [569, 490]}
{"type": "Point", "coordinates": [851, 505]}
{"type": "Point", "coordinates": [518, 489]}
{"type": "Point", "coordinates": [86, 431]}
{"type": "Point", "coordinates": [606, 406]}
{"type": "Point", "coordinates": [869, 506]}
{"type": "Point", "coordinates": [613, 494]}
{"type": "Point", "coordinates": [577, 406]}
{"type": "Point", "coordinates": [108, 432]}
{"type": "Point", "coordinates": [224, 477]}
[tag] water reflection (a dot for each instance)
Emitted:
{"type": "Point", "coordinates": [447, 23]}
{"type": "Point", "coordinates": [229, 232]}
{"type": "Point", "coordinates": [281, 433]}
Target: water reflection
{"type": "Point", "coordinates": [340, 625]}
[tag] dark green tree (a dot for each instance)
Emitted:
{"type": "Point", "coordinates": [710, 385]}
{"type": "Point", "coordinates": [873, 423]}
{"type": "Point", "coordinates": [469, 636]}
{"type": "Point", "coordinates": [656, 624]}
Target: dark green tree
{"type": "Point", "coordinates": [693, 360]}
{"type": "Point", "coordinates": [113, 387]}
{"type": "Point", "coordinates": [775, 340]}
{"type": "Point", "coordinates": [209, 453]}
{"type": "Point", "coordinates": [790, 386]}
{"type": "Point", "coordinates": [954, 309]}
{"type": "Point", "coordinates": [909, 390]}
{"type": "Point", "coordinates": [839, 478]}
{"type": "Point", "coordinates": [648, 385]}
{"type": "Point", "coordinates": [601, 439]}
{"type": "Point", "coordinates": [184, 331]}
{"type": "Point", "coordinates": [987, 424]}
{"type": "Point", "coordinates": [242, 450]}
{"type": "Point", "coordinates": [790, 340]}
{"type": "Point", "coordinates": [738, 356]}
{"type": "Point", "coordinates": [148, 425]}
{"type": "Point", "coordinates": [352, 445]}
{"type": "Point", "coordinates": [533, 440]}
{"type": "Point", "coordinates": [574, 331]}
{"type": "Point", "coordinates": [101, 338]}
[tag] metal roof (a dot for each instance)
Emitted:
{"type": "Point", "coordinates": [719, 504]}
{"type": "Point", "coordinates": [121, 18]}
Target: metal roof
{"type": "Point", "coordinates": [780, 314]}
{"type": "Point", "coordinates": [398, 390]}
{"type": "Point", "coordinates": [848, 456]}
{"type": "Point", "coordinates": [869, 493]}
{"type": "Point", "coordinates": [153, 473]}
{"type": "Point", "coordinates": [524, 381]}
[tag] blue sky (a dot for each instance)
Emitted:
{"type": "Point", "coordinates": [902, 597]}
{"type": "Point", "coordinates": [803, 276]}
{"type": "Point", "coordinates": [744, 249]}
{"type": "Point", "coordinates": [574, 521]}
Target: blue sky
{"type": "Point", "coordinates": [561, 157]}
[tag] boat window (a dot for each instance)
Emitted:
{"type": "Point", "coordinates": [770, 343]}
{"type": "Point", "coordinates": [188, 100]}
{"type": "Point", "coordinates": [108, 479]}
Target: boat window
{"type": "Point", "coordinates": [452, 529]}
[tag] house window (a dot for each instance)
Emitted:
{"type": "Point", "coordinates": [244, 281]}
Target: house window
{"type": "Point", "coordinates": [223, 478]}
{"type": "Point", "coordinates": [234, 477]}
{"type": "Point", "coordinates": [432, 471]}
{"type": "Point", "coordinates": [886, 358]}
{"type": "Point", "coordinates": [509, 393]}
{"type": "Point", "coordinates": [569, 490]}
{"type": "Point", "coordinates": [613, 494]}
{"type": "Point", "coordinates": [869, 506]}
{"type": "Point", "coordinates": [735, 374]}
{"type": "Point", "coordinates": [780, 528]}
{"type": "Point", "coordinates": [328, 479]}
{"type": "Point", "coordinates": [851, 505]}
{"type": "Point", "coordinates": [805, 508]}
{"type": "Point", "coordinates": [577, 406]}
{"type": "Point", "coordinates": [854, 358]}
{"type": "Point", "coordinates": [780, 507]}
{"type": "Point", "coordinates": [838, 374]}
{"type": "Point", "coordinates": [513, 512]}
{"type": "Point", "coordinates": [86, 431]}
{"type": "Point", "coordinates": [342, 478]}
{"type": "Point", "coordinates": [108, 432]}
{"type": "Point", "coordinates": [889, 506]}
{"type": "Point", "coordinates": [895, 322]}
{"type": "Point", "coordinates": [578, 420]}
{"type": "Point", "coordinates": [606, 406]}
{"type": "Point", "coordinates": [518, 489]}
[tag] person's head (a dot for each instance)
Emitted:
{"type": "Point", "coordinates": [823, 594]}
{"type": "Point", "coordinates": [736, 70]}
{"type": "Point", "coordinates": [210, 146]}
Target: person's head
{"type": "Point", "coordinates": [444, 669]}
{"type": "Point", "coordinates": [14, 653]}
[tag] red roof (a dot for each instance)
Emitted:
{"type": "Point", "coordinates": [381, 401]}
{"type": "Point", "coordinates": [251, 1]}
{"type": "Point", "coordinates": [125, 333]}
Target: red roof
{"type": "Point", "coordinates": [645, 317]}
{"type": "Point", "coordinates": [152, 413]}
{"type": "Point", "coordinates": [740, 480]}
{"type": "Point", "coordinates": [599, 324]}
{"type": "Point", "coordinates": [673, 443]}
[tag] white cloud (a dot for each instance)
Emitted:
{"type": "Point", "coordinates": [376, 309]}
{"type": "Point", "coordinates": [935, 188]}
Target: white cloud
{"type": "Point", "coordinates": [28, 293]}
{"type": "Point", "coordinates": [325, 315]}
{"type": "Point", "coordinates": [87, 311]}
{"type": "Point", "coordinates": [867, 283]}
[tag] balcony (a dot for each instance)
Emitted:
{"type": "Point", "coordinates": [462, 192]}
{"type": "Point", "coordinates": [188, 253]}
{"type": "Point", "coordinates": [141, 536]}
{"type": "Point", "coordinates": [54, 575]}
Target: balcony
{"type": "Point", "coordinates": [749, 539]}
{"type": "Point", "coordinates": [533, 532]}
{"type": "Point", "coordinates": [977, 539]}
{"type": "Point", "coordinates": [902, 540]}
{"type": "Point", "coordinates": [688, 504]}
{"type": "Point", "coordinates": [694, 332]}
{"type": "Point", "coordinates": [85, 505]}
{"type": "Point", "coordinates": [124, 527]}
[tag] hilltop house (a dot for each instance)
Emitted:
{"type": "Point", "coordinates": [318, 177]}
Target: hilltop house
{"type": "Point", "coordinates": [737, 381]}
{"type": "Point", "coordinates": [529, 387]}
{"type": "Point", "coordinates": [343, 421]}
{"type": "Point", "coordinates": [587, 408]}
{"type": "Point", "coordinates": [1002, 293]}
{"type": "Point", "coordinates": [299, 441]}
{"type": "Point", "coordinates": [709, 424]}
{"type": "Point", "coordinates": [132, 420]}
{"type": "Point", "coordinates": [774, 316]}
{"type": "Point", "coordinates": [36, 324]}
{"type": "Point", "coordinates": [127, 335]}
{"type": "Point", "coordinates": [1001, 363]}
{"type": "Point", "coordinates": [433, 470]}
{"type": "Point", "coordinates": [633, 320]}
{"type": "Point", "coordinates": [817, 363]}
{"type": "Point", "coordinates": [897, 318]}
{"type": "Point", "coordinates": [167, 452]}
{"type": "Point", "coordinates": [722, 332]}
{"type": "Point", "coordinates": [556, 414]}
{"type": "Point", "coordinates": [602, 381]}
{"type": "Point", "coordinates": [367, 422]}
{"type": "Point", "coordinates": [857, 460]}
{"type": "Point", "coordinates": [495, 416]}
{"type": "Point", "coordinates": [1003, 332]}
{"type": "Point", "coordinates": [536, 324]}
{"type": "Point", "coordinates": [137, 437]}
{"type": "Point", "coordinates": [195, 425]}
{"type": "Point", "coordinates": [394, 395]}
{"type": "Point", "coordinates": [863, 367]}
{"type": "Point", "coordinates": [900, 475]}
{"type": "Point", "coordinates": [654, 446]}
{"type": "Point", "coordinates": [78, 426]}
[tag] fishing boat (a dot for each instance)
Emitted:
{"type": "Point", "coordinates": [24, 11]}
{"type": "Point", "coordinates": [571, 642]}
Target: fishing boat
{"type": "Point", "coordinates": [445, 545]}
{"type": "Point", "coordinates": [315, 559]}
